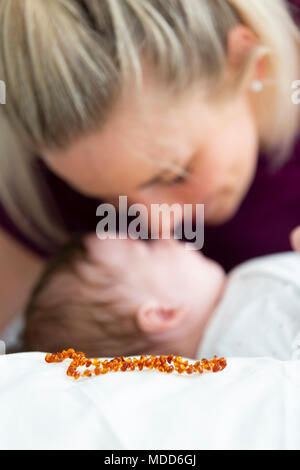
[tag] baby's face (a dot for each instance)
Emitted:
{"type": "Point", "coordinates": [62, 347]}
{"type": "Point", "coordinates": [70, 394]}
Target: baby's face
{"type": "Point", "coordinates": [161, 273]}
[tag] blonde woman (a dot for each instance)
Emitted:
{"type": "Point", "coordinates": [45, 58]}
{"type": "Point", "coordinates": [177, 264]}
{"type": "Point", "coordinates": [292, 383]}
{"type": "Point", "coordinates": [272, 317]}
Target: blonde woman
{"type": "Point", "coordinates": [160, 100]}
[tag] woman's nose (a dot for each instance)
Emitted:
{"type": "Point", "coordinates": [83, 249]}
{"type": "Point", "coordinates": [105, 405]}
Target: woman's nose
{"type": "Point", "coordinates": [161, 217]}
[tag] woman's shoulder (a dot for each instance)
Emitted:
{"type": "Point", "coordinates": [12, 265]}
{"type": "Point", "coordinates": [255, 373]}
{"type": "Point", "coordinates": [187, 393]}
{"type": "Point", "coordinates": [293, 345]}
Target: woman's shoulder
{"type": "Point", "coordinates": [8, 225]}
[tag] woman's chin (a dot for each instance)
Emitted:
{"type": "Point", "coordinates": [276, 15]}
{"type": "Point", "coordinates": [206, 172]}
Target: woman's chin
{"type": "Point", "coordinates": [220, 213]}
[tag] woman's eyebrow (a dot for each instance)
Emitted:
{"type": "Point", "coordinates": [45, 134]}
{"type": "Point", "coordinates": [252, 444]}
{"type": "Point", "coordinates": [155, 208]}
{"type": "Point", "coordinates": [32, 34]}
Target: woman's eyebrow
{"type": "Point", "coordinates": [154, 180]}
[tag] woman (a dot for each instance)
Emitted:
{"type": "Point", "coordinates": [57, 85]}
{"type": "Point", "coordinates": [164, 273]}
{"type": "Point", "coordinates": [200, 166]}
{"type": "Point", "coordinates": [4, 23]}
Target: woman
{"type": "Point", "coordinates": [160, 100]}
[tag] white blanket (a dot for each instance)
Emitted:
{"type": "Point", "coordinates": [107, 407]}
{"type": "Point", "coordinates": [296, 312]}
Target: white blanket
{"type": "Point", "coordinates": [252, 404]}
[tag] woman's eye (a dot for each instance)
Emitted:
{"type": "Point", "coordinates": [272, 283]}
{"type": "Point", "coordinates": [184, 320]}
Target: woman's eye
{"type": "Point", "coordinates": [180, 179]}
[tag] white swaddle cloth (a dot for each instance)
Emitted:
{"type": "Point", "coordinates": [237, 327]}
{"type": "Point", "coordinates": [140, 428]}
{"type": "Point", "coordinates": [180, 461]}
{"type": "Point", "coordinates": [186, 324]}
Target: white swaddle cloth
{"type": "Point", "coordinates": [259, 314]}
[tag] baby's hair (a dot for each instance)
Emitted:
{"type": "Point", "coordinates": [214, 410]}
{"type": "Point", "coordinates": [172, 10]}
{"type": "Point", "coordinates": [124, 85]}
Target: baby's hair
{"type": "Point", "coordinates": [66, 63]}
{"type": "Point", "coordinates": [62, 313]}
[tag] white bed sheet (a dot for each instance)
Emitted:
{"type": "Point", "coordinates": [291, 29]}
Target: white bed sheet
{"type": "Point", "coordinates": [252, 404]}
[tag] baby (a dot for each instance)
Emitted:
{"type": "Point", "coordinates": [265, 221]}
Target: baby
{"type": "Point", "coordinates": [255, 311]}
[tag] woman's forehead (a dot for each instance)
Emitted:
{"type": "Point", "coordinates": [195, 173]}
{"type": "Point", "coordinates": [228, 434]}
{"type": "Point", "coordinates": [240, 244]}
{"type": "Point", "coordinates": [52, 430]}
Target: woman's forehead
{"type": "Point", "coordinates": [131, 146]}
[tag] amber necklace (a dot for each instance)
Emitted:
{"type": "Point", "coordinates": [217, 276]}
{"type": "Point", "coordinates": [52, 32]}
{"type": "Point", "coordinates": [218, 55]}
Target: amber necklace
{"type": "Point", "coordinates": [167, 364]}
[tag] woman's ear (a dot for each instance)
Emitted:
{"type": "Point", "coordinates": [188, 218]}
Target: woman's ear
{"type": "Point", "coordinates": [154, 318]}
{"type": "Point", "coordinates": [240, 41]}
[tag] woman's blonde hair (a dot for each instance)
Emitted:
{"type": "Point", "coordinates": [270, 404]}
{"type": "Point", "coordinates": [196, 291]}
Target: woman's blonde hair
{"type": "Point", "coordinates": [66, 62]}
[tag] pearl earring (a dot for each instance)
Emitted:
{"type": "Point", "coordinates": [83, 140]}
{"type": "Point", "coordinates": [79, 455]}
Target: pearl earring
{"type": "Point", "coordinates": [257, 86]}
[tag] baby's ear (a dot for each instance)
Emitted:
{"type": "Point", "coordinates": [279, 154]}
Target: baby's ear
{"type": "Point", "coordinates": [154, 318]}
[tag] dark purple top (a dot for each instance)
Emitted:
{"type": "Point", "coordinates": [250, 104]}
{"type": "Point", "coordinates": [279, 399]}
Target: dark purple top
{"type": "Point", "coordinates": [261, 226]}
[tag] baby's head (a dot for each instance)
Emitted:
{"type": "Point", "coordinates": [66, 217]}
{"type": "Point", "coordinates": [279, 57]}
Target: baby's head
{"type": "Point", "coordinates": [123, 297]}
